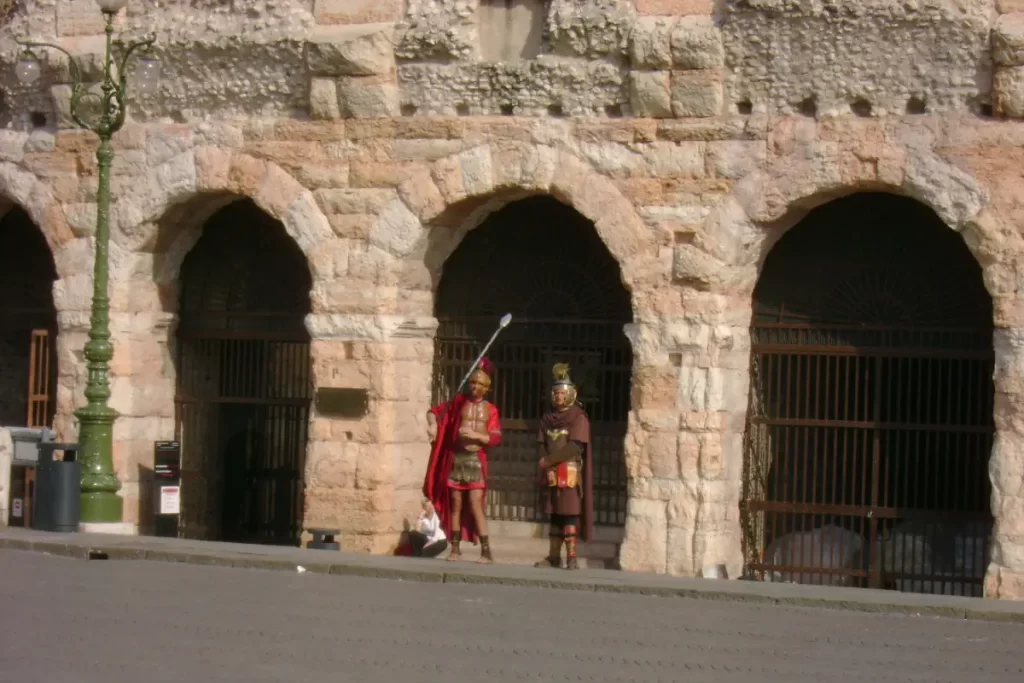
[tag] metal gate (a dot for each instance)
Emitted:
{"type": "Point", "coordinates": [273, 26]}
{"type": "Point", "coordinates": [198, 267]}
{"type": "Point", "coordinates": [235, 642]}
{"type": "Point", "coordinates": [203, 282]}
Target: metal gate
{"type": "Point", "coordinates": [544, 263]}
{"type": "Point", "coordinates": [600, 356]}
{"type": "Point", "coordinates": [870, 416]}
{"type": "Point", "coordinates": [244, 386]}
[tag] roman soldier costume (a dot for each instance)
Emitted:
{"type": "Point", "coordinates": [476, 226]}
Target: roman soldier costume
{"type": "Point", "coordinates": [566, 470]}
{"type": "Point", "coordinates": [466, 427]}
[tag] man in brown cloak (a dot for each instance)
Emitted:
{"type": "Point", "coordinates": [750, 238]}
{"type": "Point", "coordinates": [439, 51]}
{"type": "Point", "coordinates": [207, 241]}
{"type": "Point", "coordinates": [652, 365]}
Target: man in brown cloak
{"type": "Point", "coordinates": [567, 471]}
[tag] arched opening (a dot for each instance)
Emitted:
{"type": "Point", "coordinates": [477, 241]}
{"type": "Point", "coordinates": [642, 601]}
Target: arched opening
{"type": "Point", "coordinates": [28, 331]}
{"type": "Point", "coordinates": [545, 264]}
{"type": "Point", "coordinates": [870, 416]}
{"type": "Point", "coordinates": [243, 390]}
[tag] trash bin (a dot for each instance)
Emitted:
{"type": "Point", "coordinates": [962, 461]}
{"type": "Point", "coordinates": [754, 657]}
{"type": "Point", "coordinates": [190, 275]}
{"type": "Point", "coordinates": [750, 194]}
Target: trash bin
{"type": "Point", "coordinates": [26, 442]}
{"type": "Point", "coordinates": [58, 489]}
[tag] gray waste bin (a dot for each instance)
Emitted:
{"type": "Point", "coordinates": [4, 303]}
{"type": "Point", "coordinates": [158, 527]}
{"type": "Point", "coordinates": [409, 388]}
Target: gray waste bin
{"type": "Point", "coordinates": [58, 489]}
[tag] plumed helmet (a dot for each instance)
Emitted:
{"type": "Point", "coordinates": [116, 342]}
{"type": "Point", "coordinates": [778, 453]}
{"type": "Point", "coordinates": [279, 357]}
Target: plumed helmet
{"type": "Point", "coordinates": [562, 380]}
{"type": "Point", "coordinates": [487, 367]}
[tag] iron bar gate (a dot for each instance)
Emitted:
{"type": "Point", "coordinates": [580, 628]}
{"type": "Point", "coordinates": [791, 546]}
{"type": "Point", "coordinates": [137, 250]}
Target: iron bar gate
{"type": "Point", "coordinates": [853, 479]}
{"type": "Point", "coordinates": [243, 412]}
{"type": "Point", "coordinates": [244, 380]}
{"type": "Point", "coordinates": [601, 360]}
{"type": "Point", "coordinates": [870, 416]}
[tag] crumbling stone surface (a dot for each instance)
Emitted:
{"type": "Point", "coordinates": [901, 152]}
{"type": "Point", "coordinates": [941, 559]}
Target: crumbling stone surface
{"type": "Point", "coordinates": [378, 136]}
{"type": "Point", "coordinates": [782, 52]}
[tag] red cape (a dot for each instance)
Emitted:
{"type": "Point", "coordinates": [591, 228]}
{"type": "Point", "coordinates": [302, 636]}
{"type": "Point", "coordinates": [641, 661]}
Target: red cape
{"type": "Point", "coordinates": [435, 485]}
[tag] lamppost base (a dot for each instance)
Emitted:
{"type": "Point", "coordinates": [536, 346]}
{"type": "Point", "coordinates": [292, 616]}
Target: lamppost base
{"type": "Point", "coordinates": [101, 506]}
{"type": "Point", "coordinates": [114, 528]}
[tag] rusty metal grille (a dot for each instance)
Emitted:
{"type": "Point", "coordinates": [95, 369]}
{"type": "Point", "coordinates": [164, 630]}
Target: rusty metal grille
{"type": "Point", "coordinates": [601, 358]}
{"type": "Point", "coordinates": [244, 386]}
{"type": "Point", "coordinates": [870, 417]}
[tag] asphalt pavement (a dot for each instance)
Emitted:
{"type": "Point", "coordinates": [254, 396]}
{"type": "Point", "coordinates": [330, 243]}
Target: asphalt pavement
{"type": "Point", "coordinates": [64, 620]}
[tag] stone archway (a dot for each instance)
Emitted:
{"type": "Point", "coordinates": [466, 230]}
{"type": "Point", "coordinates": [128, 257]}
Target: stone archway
{"type": "Point", "coordinates": [766, 203]}
{"type": "Point", "coordinates": [401, 266]}
{"type": "Point", "coordinates": [28, 349]}
{"type": "Point", "coordinates": [544, 263]}
{"type": "Point", "coordinates": [243, 388]}
{"type": "Point", "coordinates": [869, 426]}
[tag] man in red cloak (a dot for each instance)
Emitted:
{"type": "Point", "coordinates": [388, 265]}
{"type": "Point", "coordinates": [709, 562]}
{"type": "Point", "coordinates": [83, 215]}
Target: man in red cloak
{"type": "Point", "coordinates": [567, 471]}
{"type": "Point", "coordinates": [461, 430]}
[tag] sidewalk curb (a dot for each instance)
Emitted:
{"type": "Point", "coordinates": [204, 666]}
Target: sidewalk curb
{"type": "Point", "coordinates": [122, 551]}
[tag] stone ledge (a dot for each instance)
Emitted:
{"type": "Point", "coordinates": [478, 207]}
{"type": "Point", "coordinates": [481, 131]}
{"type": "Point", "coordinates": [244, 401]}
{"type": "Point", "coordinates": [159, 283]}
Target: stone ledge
{"type": "Point", "coordinates": [83, 546]}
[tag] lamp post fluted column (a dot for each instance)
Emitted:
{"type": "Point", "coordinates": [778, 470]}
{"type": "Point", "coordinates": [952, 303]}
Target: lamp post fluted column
{"type": "Point", "coordinates": [99, 487]}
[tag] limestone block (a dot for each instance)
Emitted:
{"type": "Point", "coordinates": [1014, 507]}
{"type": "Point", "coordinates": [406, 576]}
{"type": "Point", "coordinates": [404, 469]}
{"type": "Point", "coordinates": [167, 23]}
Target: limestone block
{"type": "Point", "coordinates": [650, 94]}
{"type": "Point", "coordinates": [674, 8]}
{"type": "Point", "coordinates": [595, 28]}
{"type": "Point", "coordinates": [644, 546]}
{"type": "Point", "coordinates": [688, 455]}
{"type": "Point", "coordinates": [650, 44]}
{"type": "Point", "coordinates": [696, 43]}
{"type": "Point", "coordinates": [660, 450]}
{"type": "Point", "coordinates": [1008, 40]}
{"type": "Point", "coordinates": [356, 11]}
{"type": "Point", "coordinates": [694, 267]}
{"type": "Point", "coordinates": [359, 50]}
{"type": "Point", "coordinates": [697, 93]}
{"type": "Point", "coordinates": [78, 18]}
{"type": "Point", "coordinates": [1008, 91]}
{"type": "Point", "coordinates": [323, 99]}
{"type": "Point", "coordinates": [12, 145]}
{"type": "Point", "coordinates": [367, 96]}
{"type": "Point", "coordinates": [735, 159]}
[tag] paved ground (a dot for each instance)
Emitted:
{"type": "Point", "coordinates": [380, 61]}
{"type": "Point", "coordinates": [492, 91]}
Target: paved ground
{"type": "Point", "coordinates": [82, 545]}
{"type": "Point", "coordinates": [74, 621]}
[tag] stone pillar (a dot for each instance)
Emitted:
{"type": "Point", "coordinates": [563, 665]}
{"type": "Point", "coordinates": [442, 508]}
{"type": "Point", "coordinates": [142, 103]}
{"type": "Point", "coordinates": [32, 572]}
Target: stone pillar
{"type": "Point", "coordinates": [1005, 576]}
{"type": "Point", "coordinates": [364, 475]}
{"type": "Point", "coordinates": [684, 457]}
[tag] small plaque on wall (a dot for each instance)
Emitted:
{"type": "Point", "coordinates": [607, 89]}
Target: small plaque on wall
{"type": "Point", "coordinates": [350, 404]}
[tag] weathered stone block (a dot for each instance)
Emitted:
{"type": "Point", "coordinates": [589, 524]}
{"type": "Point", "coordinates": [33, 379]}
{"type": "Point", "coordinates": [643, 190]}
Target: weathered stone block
{"type": "Point", "coordinates": [644, 547]}
{"type": "Point", "coordinates": [694, 267]}
{"type": "Point", "coordinates": [650, 43]}
{"type": "Point", "coordinates": [674, 8]}
{"type": "Point", "coordinates": [78, 18]}
{"type": "Point", "coordinates": [650, 94]}
{"type": "Point", "coordinates": [323, 99]}
{"type": "Point", "coordinates": [1008, 91]}
{"type": "Point", "coordinates": [697, 93]}
{"type": "Point", "coordinates": [356, 11]}
{"type": "Point", "coordinates": [1008, 40]}
{"type": "Point", "coordinates": [360, 50]}
{"type": "Point", "coordinates": [367, 96]}
{"type": "Point", "coordinates": [697, 44]}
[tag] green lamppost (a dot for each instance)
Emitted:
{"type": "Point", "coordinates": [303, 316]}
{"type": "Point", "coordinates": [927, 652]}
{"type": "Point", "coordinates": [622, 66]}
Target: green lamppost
{"type": "Point", "coordinates": [103, 113]}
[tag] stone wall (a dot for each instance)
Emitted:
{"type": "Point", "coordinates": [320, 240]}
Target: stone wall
{"type": "Point", "coordinates": [379, 136]}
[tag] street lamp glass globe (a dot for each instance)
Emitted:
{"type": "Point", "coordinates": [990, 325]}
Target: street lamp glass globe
{"type": "Point", "coordinates": [28, 70]}
{"type": "Point", "coordinates": [111, 6]}
{"type": "Point", "coordinates": [147, 75]}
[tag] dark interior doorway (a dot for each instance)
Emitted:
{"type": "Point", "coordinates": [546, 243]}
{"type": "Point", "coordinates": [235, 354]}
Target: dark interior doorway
{"type": "Point", "coordinates": [544, 263]}
{"type": "Point", "coordinates": [28, 323]}
{"type": "Point", "coordinates": [870, 419]}
{"type": "Point", "coordinates": [244, 385]}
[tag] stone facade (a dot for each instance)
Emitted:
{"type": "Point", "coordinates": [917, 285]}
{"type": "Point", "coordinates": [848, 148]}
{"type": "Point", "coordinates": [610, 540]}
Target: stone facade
{"type": "Point", "coordinates": [378, 134]}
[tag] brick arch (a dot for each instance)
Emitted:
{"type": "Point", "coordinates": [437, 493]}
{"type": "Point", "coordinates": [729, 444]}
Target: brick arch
{"type": "Point", "coordinates": [221, 176]}
{"type": "Point", "coordinates": [769, 201]}
{"type": "Point", "coordinates": [438, 205]}
{"type": "Point", "coordinates": [766, 203]}
{"type": "Point", "coordinates": [32, 194]}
